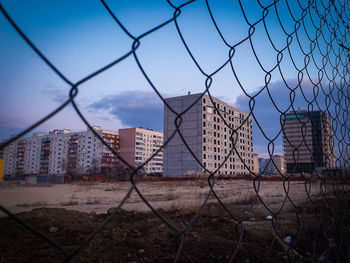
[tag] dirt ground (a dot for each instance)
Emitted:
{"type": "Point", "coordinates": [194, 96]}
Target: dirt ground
{"type": "Point", "coordinates": [100, 196]}
{"type": "Point", "coordinates": [69, 213]}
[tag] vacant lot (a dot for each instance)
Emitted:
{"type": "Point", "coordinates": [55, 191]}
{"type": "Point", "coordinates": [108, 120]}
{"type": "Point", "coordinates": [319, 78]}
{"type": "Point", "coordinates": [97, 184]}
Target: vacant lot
{"type": "Point", "coordinates": [166, 195]}
{"type": "Point", "coordinates": [69, 213]}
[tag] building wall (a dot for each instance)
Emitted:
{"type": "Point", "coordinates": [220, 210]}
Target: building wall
{"type": "Point", "coordinates": [61, 152]}
{"type": "Point", "coordinates": [137, 145]}
{"type": "Point", "coordinates": [274, 165]}
{"type": "Point", "coordinates": [262, 165]}
{"type": "Point", "coordinates": [178, 160]}
{"type": "Point", "coordinates": [10, 158]}
{"type": "Point", "coordinates": [308, 141]}
{"type": "Point", "coordinates": [128, 146]}
{"type": "Point", "coordinates": [256, 163]}
{"type": "Point", "coordinates": [280, 166]}
{"type": "Point", "coordinates": [209, 138]}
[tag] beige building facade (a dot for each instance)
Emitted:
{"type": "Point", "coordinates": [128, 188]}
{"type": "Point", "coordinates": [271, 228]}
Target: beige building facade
{"type": "Point", "coordinates": [61, 152]}
{"type": "Point", "coordinates": [219, 136]}
{"type": "Point", "coordinates": [256, 163]}
{"type": "Point", "coordinates": [137, 145]}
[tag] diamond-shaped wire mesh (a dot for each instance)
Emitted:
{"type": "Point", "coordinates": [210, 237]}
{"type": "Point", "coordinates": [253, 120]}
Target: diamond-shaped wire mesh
{"type": "Point", "coordinates": [324, 46]}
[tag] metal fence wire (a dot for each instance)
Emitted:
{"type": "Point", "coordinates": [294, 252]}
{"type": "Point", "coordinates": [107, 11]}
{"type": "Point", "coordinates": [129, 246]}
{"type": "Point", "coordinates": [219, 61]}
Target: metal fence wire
{"type": "Point", "coordinates": [325, 47]}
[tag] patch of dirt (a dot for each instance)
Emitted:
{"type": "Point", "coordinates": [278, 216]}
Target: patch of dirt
{"type": "Point", "coordinates": [143, 237]}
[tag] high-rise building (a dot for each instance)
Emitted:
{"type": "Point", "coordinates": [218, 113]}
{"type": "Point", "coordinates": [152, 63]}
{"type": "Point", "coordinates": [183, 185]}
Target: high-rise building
{"type": "Point", "coordinates": [274, 165]}
{"type": "Point", "coordinates": [61, 152]}
{"type": "Point", "coordinates": [256, 163]}
{"type": "Point", "coordinates": [207, 135]}
{"type": "Point", "coordinates": [308, 141]}
{"type": "Point", "coordinates": [262, 165]}
{"type": "Point", "coordinates": [280, 165]}
{"type": "Point", "coordinates": [137, 145]}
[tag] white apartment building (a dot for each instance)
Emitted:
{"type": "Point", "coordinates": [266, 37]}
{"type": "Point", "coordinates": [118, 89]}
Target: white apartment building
{"type": "Point", "coordinates": [62, 151]}
{"type": "Point", "coordinates": [88, 154]}
{"type": "Point", "coordinates": [208, 136]}
{"type": "Point", "coordinates": [138, 144]}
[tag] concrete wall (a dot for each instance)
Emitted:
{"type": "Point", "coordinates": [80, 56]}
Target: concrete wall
{"type": "Point", "coordinates": [178, 161]}
{"type": "Point", "coordinates": [127, 145]}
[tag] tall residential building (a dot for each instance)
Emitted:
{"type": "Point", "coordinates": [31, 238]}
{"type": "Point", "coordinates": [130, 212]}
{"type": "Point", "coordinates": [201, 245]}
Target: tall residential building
{"type": "Point", "coordinates": [91, 154]}
{"type": "Point", "coordinates": [274, 165]}
{"type": "Point", "coordinates": [256, 163]}
{"type": "Point", "coordinates": [208, 137]}
{"type": "Point", "coordinates": [137, 145]}
{"type": "Point", "coordinates": [61, 152]}
{"type": "Point", "coordinates": [262, 165]}
{"type": "Point", "coordinates": [308, 141]}
{"type": "Point", "coordinates": [280, 164]}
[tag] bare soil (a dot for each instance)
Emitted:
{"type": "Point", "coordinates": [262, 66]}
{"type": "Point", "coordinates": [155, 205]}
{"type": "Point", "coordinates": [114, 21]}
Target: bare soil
{"type": "Point", "coordinates": [137, 235]}
{"type": "Point", "coordinates": [167, 195]}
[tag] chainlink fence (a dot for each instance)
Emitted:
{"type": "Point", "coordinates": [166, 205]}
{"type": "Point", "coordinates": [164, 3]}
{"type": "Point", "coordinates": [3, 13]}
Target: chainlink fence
{"type": "Point", "coordinates": [314, 45]}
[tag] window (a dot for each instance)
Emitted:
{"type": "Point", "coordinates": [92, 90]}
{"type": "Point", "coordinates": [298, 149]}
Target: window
{"type": "Point", "coordinates": [204, 109]}
{"type": "Point", "coordinates": [203, 101]}
{"type": "Point", "coordinates": [204, 148]}
{"type": "Point", "coordinates": [204, 116]}
{"type": "Point", "coordinates": [203, 123]}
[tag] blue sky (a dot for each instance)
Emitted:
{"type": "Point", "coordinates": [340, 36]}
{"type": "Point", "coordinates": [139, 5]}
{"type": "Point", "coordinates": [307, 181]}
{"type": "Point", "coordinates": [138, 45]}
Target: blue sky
{"type": "Point", "coordinates": [80, 37]}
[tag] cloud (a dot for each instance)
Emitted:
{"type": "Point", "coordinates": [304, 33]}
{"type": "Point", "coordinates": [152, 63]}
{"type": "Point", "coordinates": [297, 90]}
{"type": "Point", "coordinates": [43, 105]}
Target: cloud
{"type": "Point", "coordinates": [133, 108]}
{"type": "Point", "coordinates": [268, 116]}
{"type": "Point", "coordinates": [57, 95]}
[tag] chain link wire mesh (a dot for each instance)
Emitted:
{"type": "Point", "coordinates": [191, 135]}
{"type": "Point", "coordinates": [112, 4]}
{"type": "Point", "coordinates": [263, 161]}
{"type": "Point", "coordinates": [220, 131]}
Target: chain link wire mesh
{"type": "Point", "coordinates": [319, 38]}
